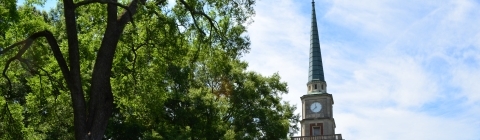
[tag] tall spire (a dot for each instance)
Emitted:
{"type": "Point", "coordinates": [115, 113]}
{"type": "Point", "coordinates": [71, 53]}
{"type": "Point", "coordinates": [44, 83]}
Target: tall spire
{"type": "Point", "coordinates": [315, 72]}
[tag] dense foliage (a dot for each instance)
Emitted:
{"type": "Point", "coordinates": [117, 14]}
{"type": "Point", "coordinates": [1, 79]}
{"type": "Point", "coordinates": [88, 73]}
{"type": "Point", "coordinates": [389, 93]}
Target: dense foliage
{"type": "Point", "coordinates": [175, 73]}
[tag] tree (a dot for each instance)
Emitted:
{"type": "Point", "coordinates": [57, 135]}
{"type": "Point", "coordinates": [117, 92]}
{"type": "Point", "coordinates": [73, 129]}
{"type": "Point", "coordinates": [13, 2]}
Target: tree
{"type": "Point", "coordinates": [9, 14]}
{"type": "Point", "coordinates": [161, 62]}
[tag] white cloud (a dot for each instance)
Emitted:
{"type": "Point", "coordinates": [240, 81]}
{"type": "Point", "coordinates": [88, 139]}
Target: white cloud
{"type": "Point", "coordinates": [397, 69]}
{"type": "Point", "coordinates": [467, 79]}
{"type": "Point", "coordinates": [393, 123]}
{"type": "Point", "coordinates": [279, 43]}
{"type": "Point", "coordinates": [391, 80]}
{"type": "Point", "coordinates": [379, 18]}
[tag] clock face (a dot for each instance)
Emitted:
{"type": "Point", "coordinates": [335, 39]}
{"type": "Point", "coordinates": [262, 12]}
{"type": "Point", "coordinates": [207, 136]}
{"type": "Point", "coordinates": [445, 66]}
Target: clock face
{"type": "Point", "coordinates": [315, 107]}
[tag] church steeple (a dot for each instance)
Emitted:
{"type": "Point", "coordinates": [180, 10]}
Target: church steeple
{"type": "Point", "coordinates": [316, 80]}
{"type": "Point", "coordinates": [315, 72]}
{"type": "Point", "coordinates": [317, 105]}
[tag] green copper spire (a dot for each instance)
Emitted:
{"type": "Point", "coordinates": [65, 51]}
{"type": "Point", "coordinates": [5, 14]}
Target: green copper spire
{"type": "Point", "coordinates": [315, 72]}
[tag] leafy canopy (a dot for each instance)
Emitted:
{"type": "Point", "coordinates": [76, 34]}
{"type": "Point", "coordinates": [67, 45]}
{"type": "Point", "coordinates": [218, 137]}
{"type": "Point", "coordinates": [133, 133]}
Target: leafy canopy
{"type": "Point", "coordinates": [176, 74]}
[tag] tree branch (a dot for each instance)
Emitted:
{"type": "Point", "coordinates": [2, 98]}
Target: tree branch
{"type": "Point", "coordinates": [28, 42]}
{"type": "Point", "coordinates": [195, 12]}
{"type": "Point", "coordinates": [11, 47]}
{"type": "Point", "coordinates": [33, 69]}
{"type": "Point", "coordinates": [74, 80]}
{"type": "Point", "coordinates": [196, 25]}
{"type": "Point", "coordinates": [100, 107]}
{"type": "Point", "coordinates": [127, 8]}
{"type": "Point", "coordinates": [131, 10]}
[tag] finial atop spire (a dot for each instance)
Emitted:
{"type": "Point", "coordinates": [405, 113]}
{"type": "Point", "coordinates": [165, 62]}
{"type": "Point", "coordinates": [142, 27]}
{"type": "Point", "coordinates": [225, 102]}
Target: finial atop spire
{"type": "Point", "coordinates": [315, 72]}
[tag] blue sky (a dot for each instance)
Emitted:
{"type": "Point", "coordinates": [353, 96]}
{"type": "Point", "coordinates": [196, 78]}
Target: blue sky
{"type": "Point", "coordinates": [397, 69]}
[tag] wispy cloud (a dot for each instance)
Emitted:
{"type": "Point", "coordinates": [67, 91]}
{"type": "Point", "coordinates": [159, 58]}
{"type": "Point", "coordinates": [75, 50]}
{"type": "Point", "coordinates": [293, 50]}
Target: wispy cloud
{"type": "Point", "coordinates": [396, 69]}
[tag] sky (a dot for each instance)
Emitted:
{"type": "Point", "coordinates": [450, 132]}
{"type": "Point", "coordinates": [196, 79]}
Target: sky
{"type": "Point", "coordinates": [397, 69]}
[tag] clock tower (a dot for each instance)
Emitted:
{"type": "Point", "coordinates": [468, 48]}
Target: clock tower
{"type": "Point", "coordinates": [317, 112]}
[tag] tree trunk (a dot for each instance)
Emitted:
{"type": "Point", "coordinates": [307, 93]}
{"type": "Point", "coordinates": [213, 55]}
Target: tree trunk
{"type": "Point", "coordinates": [100, 104]}
{"type": "Point", "coordinates": [73, 79]}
